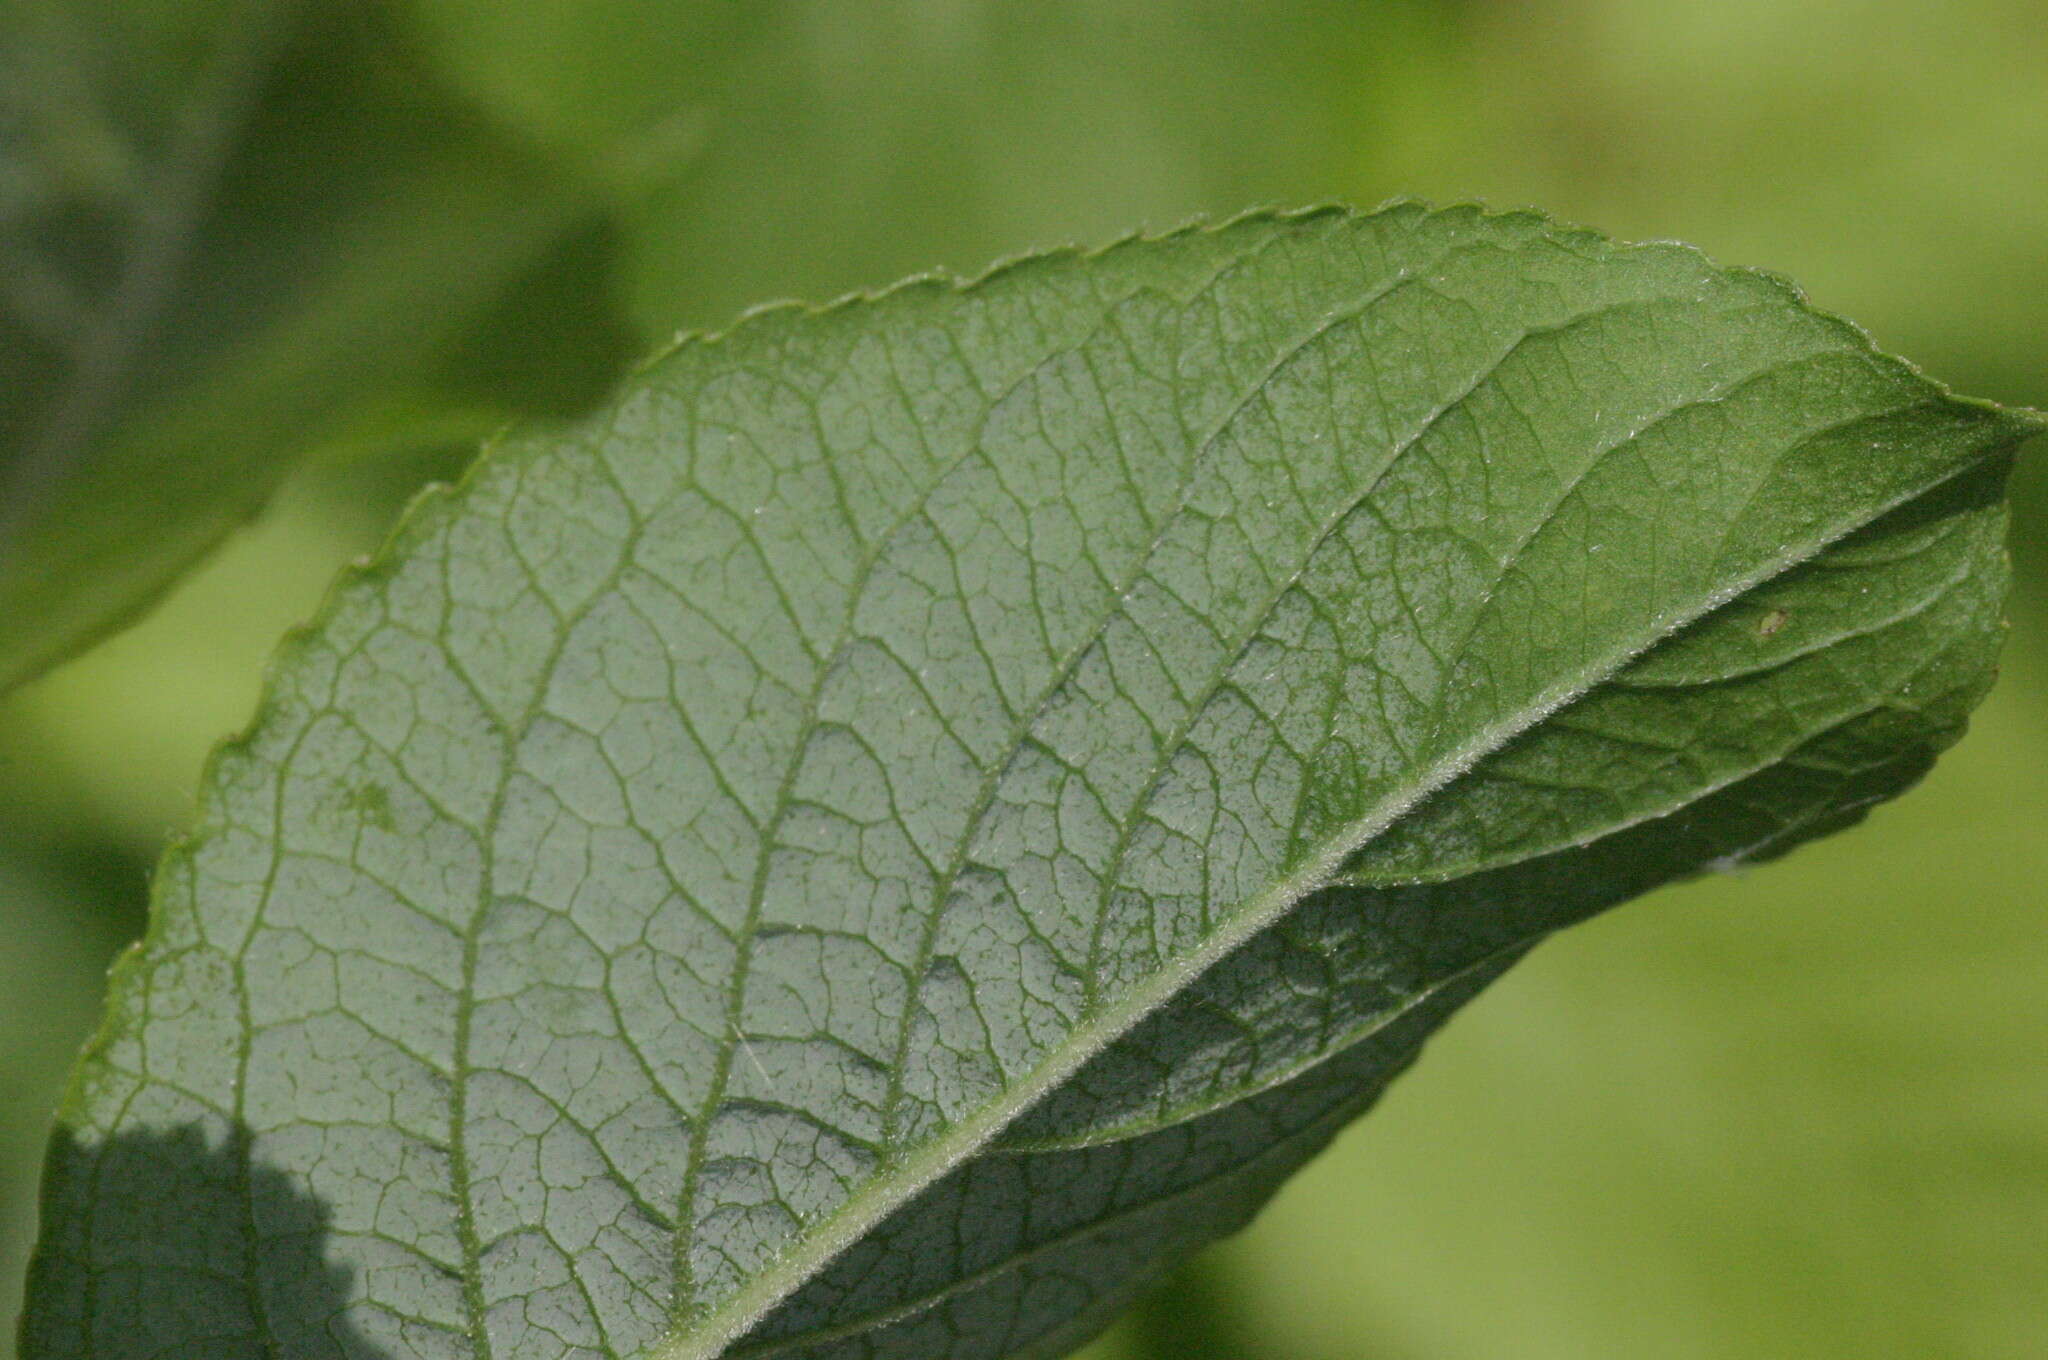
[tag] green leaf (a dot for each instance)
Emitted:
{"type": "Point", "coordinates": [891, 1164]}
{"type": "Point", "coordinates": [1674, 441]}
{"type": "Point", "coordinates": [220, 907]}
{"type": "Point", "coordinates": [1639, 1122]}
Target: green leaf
{"type": "Point", "coordinates": [230, 232]}
{"type": "Point", "coordinates": [920, 815]}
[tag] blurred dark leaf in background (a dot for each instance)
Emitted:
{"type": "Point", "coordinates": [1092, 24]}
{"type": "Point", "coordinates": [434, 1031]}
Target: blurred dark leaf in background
{"type": "Point", "coordinates": [235, 231]}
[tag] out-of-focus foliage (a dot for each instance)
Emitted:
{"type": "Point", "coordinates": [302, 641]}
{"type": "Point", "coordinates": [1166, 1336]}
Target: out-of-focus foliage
{"type": "Point", "coordinates": [1868, 1179]}
{"type": "Point", "coordinates": [870, 141]}
{"type": "Point", "coordinates": [233, 230]}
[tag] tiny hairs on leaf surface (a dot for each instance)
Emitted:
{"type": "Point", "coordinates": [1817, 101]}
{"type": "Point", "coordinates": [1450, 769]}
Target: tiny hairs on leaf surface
{"type": "Point", "coordinates": [921, 814]}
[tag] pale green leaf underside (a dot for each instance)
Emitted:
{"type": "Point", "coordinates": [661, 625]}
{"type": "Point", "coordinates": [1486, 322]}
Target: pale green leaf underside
{"type": "Point", "coordinates": [922, 814]}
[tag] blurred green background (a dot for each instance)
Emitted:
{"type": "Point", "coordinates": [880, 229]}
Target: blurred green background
{"type": "Point", "coordinates": [1798, 1112]}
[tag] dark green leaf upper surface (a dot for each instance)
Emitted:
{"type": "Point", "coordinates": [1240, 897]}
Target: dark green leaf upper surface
{"type": "Point", "coordinates": [921, 814]}
{"type": "Point", "coordinates": [231, 230]}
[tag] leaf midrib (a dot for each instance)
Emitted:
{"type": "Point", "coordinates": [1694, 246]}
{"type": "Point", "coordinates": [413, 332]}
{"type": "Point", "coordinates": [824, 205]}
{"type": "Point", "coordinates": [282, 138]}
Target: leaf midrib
{"type": "Point", "coordinates": [1175, 1115]}
{"type": "Point", "coordinates": [1345, 507]}
{"type": "Point", "coordinates": [1338, 1115]}
{"type": "Point", "coordinates": [713, 1331]}
{"type": "Point", "coordinates": [1030, 714]}
{"type": "Point", "coordinates": [749, 928]}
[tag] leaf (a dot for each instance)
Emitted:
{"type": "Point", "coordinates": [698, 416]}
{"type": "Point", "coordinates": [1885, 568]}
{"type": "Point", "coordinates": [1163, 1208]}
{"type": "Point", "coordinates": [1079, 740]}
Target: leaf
{"type": "Point", "coordinates": [233, 231]}
{"type": "Point", "coordinates": [920, 815]}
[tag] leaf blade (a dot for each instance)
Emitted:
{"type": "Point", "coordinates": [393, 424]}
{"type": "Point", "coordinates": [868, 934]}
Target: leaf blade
{"type": "Point", "coordinates": [879, 715]}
